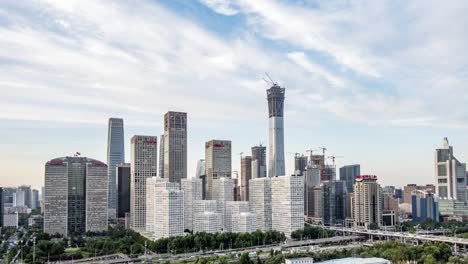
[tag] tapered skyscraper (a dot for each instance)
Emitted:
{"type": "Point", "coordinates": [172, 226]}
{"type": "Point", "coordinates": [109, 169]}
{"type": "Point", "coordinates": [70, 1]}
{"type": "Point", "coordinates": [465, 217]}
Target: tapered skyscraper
{"type": "Point", "coordinates": [275, 97]}
{"type": "Point", "coordinates": [115, 155]}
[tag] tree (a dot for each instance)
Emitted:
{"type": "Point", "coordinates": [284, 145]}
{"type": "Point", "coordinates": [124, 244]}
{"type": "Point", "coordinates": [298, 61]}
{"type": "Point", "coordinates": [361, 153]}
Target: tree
{"type": "Point", "coordinates": [245, 259]}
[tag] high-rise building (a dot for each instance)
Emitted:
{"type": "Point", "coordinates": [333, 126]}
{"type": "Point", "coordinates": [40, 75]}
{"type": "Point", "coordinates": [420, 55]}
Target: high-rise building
{"type": "Point", "coordinates": [23, 197]}
{"type": "Point", "coordinates": [260, 202]}
{"type": "Point", "coordinates": [144, 164]}
{"type": "Point", "coordinates": [348, 174]}
{"type": "Point", "coordinates": [367, 202]}
{"type": "Point", "coordinates": [192, 188]}
{"type": "Point", "coordinates": [319, 161]}
{"type": "Point", "coordinates": [234, 208]}
{"type": "Point", "coordinates": [450, 174]}
{"type": "Point", "coordinates": [1, 207]}
{"type": "Point", "coordinates": [391, 210]}
{"type": "Point", "coordinates": [19, 200]}
{"type": "Point", "coordinates": [300, 164]}
{"type": "Point", "coordinates": [223, 191]}
{"type": "Point", "coordinates": [97, 194]}
{"type": "Point", "coordinates": [275, 96]}
{"type": "Point", "coordinates": [123, 189]}
{"type": "Point", "coordinates": [258, 161]}
{"type": "Point", "coordinates": [287, 201]}
{"type": "Point", "coordinates": [246, 175]}
{"type": "Point", "coordinates": [408, 190]}
{"type": "Point", "coordinates": [34, 199]}
{"type": "Point", "coordinates": [206, 217]}
{"type": "Point", "coordinates": [201, 174]}
{"type": "Point", "coordinates": [75, 196]}
{"type": "Point", "coordinates": [161, 156]}
{"type": "Point", "coordinates": [311, 181]}
{"type": "Point", "coordinates": [165, 208]}
{"type": "Point", "coordinates": [334, 202]}
{"type": "Point", "coordinates": [424, 206]}
{"type": "Point", "coordinates": [328, 172]}
{"type": "Point", "coordinates": [115, 155]}
{"type": "Point", "coordinates": [175, 146]}
{"type": "Point", "coordinates": [244, 222]}
{"type": "Point", "coordinates": [217, 163]}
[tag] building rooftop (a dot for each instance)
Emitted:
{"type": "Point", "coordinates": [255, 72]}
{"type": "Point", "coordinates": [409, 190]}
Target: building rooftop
{"type": "Point", "coordinates": [357, 261]}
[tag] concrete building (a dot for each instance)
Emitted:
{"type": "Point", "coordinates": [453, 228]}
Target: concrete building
{"type": "Point", "coordinates": [115, 155]}
{"type": "Point", "coordinates": [319, 161]}
{"type": "Point", "coordinates": [260, 202]}
{"type": "Point", "coordinates": [164, 208]}
{"type": "Point", "coordinates": [328, 173]}
{"type": "Point", "coordinates": [246, 175]}
{"type": "Point", "coordinates": [300, 164]}
{"type": "Point", "coordinates": [206, 217]}
{"type": "Point", "coordinates": [334, 201]}
{"type": "Point", "coordinates": [217, 163]}
{"type": "Point", "coordinates": [34, 199]}
{"type": "Point", "coordinates": [408, 190]}
{"type": "Point", "coordinates": [97, 194]}
{"type": "Point", "coordinates": [390, 210]}
{"type": "Point", "coordinates": [234, 208]}
{"type": "Point", "coordinates": [287, 194]}
{"type": "Point", "coordinates": [175, 146]}
{"type": "Point", "coordinates": [223, 191]}
{"type": "Point", "coordinates": [75, 196]}
{"type": "Point", "coordinates": [192, 188]}
{"type": "Point", "coordinates": [275, 96]}
{"type": "Point", "coordinates": [258, 161]}
{"type": "Point", "coordinates": [244, 222]}
{"type": "Point", "coordinates": [123, 190]}
{"type": "Point", "coordinates": [450, 174]}
{"type": "Point", "coordinates": [348, 174]}
{"type": "Point", "coordinates": [424, 206]}
{"type": "Point", "coordinates": [23, 196]}
{"type": "Point", "coordinates": [367, 202]}
{"type": "Point", "coordinates": [161, 156]}
{"type": "Point", "coordinates": [144, 164]}
{"type": "Point", "coordinates": [311, 181]}
{"type": "Point", "coordinates": [451, 207]}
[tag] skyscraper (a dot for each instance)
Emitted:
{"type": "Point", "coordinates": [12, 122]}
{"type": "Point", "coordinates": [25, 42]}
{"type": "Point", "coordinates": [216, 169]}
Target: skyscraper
{"type": "Point", "coordinates": [161, 156]}
{"type": "Point", "coordinates": [246, 175]}
{"type": "Point", "coordinates": [223, 191]}
{"type": "Point", "coordinates": [175, 146]}
{"type": "Point", "coordinates": [123, 190]}
{"type": "Point", "coordinates": [258, 161]}
{"type": "Point", "coordinates": [300, 163]}
{"type": "Point", "coordinates": [201, 174]}
{"type": "Point", "coordinates": [217, 163]}
{"type": "Point", "coordinates": [23, 196]}
{"type": "Point", "coordinates": [260, 201]}
{"type": "Point", "coordinates": [348, 174]}
{"type": "Point", "coordinates": [1, 207]}
{"type": "Point", "coordinates": [450, 174]}
{"type": "Point", "coordinates": [192, 188]}
{"type": "Point", "coordinates": [287, 201]}
{"type": "Point", "coordinates": [367, 202]}
{"type": "Point", "coordinates": [311, 181]}
{"type": "Point", "coordinates": [34, 199]}
{"type": "Point", "coordinates": [234, 208]}
{"type": "Point", "coordinates": [275, 96]}
{"type": "Point", "coordinates": [75, 196]}
{"type": "Point", "coordinates": [144, 164]}
{"type": "Point", "coordinates": [334, 201]}
{"type": "Point", "coordinates": [115, 155]}
{"type": "Point", "coordinates": [424, 206]}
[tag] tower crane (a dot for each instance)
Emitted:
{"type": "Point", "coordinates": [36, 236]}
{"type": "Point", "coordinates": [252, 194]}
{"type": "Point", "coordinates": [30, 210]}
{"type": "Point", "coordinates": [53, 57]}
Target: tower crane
{"type": "Point", "coordinates": [333, 158]}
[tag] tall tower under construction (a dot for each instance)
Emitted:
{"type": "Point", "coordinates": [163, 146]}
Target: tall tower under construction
{"type": "Point", "coordinates": [275, 97]}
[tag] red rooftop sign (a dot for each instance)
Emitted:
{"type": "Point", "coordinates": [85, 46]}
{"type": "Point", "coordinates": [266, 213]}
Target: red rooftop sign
{"type": "Point", "coordinates": [361, 177]}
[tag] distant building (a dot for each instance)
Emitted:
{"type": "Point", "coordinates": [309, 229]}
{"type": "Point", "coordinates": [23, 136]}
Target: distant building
{"type": "Point", "coordinates": [244, 222]}
{"type": "Point", "coordinates": [275, 96]}
{"type": "Point", "coordinates": [319, 161]}
{"type": "Point", "coordinates": [348, 174]}
{"type": "Point", "coordinates": [144, 165]}
{"type": "Point", "coordinates": [75, 196]}
{"type": "Point", "coordinates": [355, 261]}
{"type": "Point", "coordinates": [300, 164]}
{"type": "Point", "coordinates": [23, 196]}
{"type": "Point", "coordinates": [36, 220]}
{"type": "Point", "coordinates": [398, 194]}
{"type": "Point", "coordinates": [260, 202]}
{"type": "Point", "coordinates": [287, 203]}
{"type": "Point", "coordinates": [391, 210]}
{"type": "Point", "coordinates": [217, 163]}
{"type": "Point", "coordinates": [450, 207]}
{"type": "Point", "coordinates": [161, 156]}
{"type": "Point", "coordinates": [234, 208]}
{"type": "Point", "coordinates": [201, 174]}
{"type": "Point", "coordinates": [408, 190]}
{"type": "Point", "coordinates": [206, 217]}
{"type": "Point", "coordinates": [123, 190]}
{"type": "Point", "coordinates": [175, 146]}
{"type": "Point", "coordinates": [424, 206]}
{"type": "Point", "coordinates": [246, 176]}
{"type": "Point", "coordinates": [1, 207]}
{"type": "Point", "coordinates": [34, 199]}
{"type": "Point", "coordinates": [312, 180]}
{"type": "Point", "coordinates": [223, 191]}
{"type": "Point", "coordinates": [450, 174]}
{"type": "Point", "coordinates": [164, 208]}
{"type": "Point", "coordinates": [334, 201]}
{"type": "Point", "coordinates": [328, 173]}
{"type": "Point", "coordinates": [258, 161]}
{"type": "Point", "coordinates": [192, 188]}
{"type": "Point", "coordinates": [299, 261]}
{"type": "Point", "coordinates": [367, 202]}
{"type": "Point", "coordinates": [10, 220]}
{"type": "Point", "coordinates": [115, 155]}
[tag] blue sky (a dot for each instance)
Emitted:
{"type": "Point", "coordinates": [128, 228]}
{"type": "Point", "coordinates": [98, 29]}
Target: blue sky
{"type": "Point", "coordinates": [377, 82]}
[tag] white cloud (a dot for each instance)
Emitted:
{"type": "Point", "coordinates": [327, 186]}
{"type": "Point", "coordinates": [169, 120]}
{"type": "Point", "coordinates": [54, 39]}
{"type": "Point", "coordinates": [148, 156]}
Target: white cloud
{"type": "Point", "coordinates": [224, 7]}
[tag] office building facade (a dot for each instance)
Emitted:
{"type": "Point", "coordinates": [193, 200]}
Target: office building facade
{"type": "Point", "coordinates": [144, 164]}
{"type": "Point", "coordinates": [287, 201]}
{"type": "Point", "coordinates": [424, 206]}
{"type": "Point", "coordinates": [192, 188]}
{"type": "Point", "coordinates": [244, 222]}
{"type": "Point", "coordinates": [367, 202]}
{"type": "Point", "coordinates": [246, 175]}
{"type": "Point", "coordinates": [300, 164]}
{"type": "Point", "coordinates": [334, 201]}
{"type": "Point", "coordinates": [223, 191]}
{"type": "Point", "coordinates": [115, 155]}
{"type": "Point", "coordinates": [217, 163]}
{"type": "Point", "coordinates": [175, 146]}
{"type": "Point", "coordinates": [123, 189]}
{"type": "Point", "coordinates": [260, 202]}
{"type": "Point", "coordinates": [258, 161]}
{"type": "Point", "coordinates": [348, 174]}
{"type": "Point", "coordinates": [234, 208]}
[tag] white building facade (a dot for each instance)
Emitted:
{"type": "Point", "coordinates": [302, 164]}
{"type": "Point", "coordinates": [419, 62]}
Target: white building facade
{"type": "Point", "coordinates": [234, 208]}
{"type": "Point", "coordinates": [223, 191]}
{"type": "Point", "coordinates": [97, 196]}
{"type": "Point", "coordinates": [206, 217]}
{"type": "Point", "coordinates": [193, 191]}
{"type": "Point", "coordinates": [260, 202]}
{"type": "Point", "coordinates": [244, 222]}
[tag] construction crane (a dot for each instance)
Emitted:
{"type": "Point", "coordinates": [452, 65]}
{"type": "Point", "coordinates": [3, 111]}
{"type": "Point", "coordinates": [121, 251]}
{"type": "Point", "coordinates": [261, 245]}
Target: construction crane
{"type": "Point", "coordinates": [333, 158]}
{"type": "Point", "coordinates": [296, 154]}
{"type": "Point", "coordinates": [323, 150]}
{"type": "Point", "coordinates": [269, 81]}
{"type": "Point", "coordinates": [241, 154]}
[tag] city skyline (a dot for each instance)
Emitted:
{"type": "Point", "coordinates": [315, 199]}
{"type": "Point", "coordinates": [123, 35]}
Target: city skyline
{"type": "Point", "coordinates": [332, 85]}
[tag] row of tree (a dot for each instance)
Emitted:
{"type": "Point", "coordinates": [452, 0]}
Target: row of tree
{"type": "Point", "coordinates": [312, 232]}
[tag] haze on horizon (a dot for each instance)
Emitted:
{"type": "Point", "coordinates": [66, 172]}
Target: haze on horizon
{"type": "Point", "coordinates": [380, 83]}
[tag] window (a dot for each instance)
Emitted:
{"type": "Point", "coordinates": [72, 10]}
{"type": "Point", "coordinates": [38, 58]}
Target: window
{"type": "Point", "coordinates": [442, 170]}
{"type": "Point", "coordinates": [442, 180]}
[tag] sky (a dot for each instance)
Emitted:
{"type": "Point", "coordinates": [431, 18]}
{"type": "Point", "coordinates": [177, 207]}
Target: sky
{"type": "Point", "coordinates": [379, 83]}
